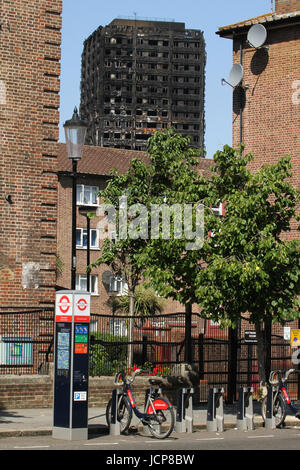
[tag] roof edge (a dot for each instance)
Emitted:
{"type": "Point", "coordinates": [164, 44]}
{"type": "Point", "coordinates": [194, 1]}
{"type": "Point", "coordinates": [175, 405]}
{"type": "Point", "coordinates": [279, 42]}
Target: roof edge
{"type": "Point", "coordinates": [271, 19]}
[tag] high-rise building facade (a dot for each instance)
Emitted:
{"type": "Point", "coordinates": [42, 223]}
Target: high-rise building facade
{"type": "Point", "coordinates": [139, 77]}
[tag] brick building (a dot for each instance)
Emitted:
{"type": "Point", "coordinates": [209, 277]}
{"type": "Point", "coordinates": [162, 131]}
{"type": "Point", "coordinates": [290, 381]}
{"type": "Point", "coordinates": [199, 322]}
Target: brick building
{"type": "Point", "coordinates": [266, 107]}
{"type": "Point", "coordinates": [141, 76]}
{"type": "Point", "coordinates": [29, 117]}
{"type": "Point", "coordinates": [93, 172]}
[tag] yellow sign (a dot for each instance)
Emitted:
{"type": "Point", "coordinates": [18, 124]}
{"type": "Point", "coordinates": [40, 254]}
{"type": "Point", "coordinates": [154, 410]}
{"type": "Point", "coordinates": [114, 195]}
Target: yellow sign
{"type": "Point", "coordinates": [295, 338]}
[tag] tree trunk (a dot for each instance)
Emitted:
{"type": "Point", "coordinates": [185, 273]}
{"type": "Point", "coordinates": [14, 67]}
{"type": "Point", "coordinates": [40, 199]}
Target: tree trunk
{"type": "Point", "coordinates": [130, 330]}
{"type": "Point", "coordinates": [261, 353]}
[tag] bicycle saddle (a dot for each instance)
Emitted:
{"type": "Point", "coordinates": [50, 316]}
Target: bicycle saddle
{"type": "Point", "coordinates": [155, 382]}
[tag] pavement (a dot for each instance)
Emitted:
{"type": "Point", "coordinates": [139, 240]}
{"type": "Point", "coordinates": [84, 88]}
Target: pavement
{"type": "Point", "coordinates": [39, 421]}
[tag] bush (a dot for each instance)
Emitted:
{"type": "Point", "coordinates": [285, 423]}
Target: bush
{"type": "Point", "coordinates": [107, 356]}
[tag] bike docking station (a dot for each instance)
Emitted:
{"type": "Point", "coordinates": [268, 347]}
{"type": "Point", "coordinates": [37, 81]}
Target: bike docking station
{"type": "Point", "coordinates": [215, 410]}
{"type": "Point", "coordinates": [114, 427]}
{"type": "Point", "coordinates": [270, 418]}
{"type": "Point", "coordinates": [245, 417]}
{"type": "Point", "coordinates": [184, 415]}
{"type": "Point", "coordinates": [71, 358]}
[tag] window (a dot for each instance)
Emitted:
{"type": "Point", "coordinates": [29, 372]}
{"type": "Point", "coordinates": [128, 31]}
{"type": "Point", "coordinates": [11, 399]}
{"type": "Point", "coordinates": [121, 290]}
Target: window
{"type": "Point", "coordinates": [81, 238]}
{"type": "Point", "coordinates": [117, 327]}
{"type": "Point", "coordinates": [118, 286]}
{"type": "Point", "coordinates": [87, 195]}
{"type": "Point", "coordinates": [81, 283]}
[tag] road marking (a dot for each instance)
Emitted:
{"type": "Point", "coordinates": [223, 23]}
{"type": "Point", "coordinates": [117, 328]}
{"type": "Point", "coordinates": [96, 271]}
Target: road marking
{"type": "Point", "coordinates": [260, 437]}
{"type": "Point", "coordinates": [30, 447]}
{"type": "Point", "coordinates": [211, 439]}
{"type": "Point", "coordinates": [103, 444]}
{"type": "Point", "coordinates": [162, 441]}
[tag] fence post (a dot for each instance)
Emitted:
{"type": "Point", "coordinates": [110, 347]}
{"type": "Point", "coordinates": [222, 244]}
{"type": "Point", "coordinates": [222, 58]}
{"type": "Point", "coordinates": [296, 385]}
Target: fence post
{"type": "Point", "coordinates": [201, 355]}
{"type": "Point", "coordinates": [188, 353]}
{"type": "Point", "coordinates": [268, 339]}
{"type": "Point", "coordinates": [232, 365]}
{"type": "Point", "coordinates": [144, 350]}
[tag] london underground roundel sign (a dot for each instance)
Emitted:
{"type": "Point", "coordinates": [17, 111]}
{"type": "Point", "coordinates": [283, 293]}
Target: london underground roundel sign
{"type": "Point", "coordinates": [81, 308]}
{"type": "Point", "coordinates": [63, 310]}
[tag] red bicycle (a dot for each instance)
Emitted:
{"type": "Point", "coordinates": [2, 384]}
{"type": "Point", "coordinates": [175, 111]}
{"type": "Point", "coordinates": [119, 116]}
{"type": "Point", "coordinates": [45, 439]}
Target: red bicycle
{"type": "Point", "coordinates": [158, 415]}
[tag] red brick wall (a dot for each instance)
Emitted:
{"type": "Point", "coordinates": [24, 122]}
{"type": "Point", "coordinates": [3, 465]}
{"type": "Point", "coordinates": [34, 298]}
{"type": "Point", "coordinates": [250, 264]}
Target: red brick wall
{"type": "Point", "coordinates": [64, 241]}
{"type": "Point", "coordinates": [98, 302]}
{"type": "Point", "coordinates": [29, 117]}
{"type": "Point", "coordinates": [271, 117]}
{"type": "Point", "coordinates": [286, 6]}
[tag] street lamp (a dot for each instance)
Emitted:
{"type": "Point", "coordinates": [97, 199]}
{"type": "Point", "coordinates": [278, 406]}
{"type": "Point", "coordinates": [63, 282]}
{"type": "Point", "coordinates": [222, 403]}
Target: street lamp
{"type": "Point", "coordinates": [75, 131]}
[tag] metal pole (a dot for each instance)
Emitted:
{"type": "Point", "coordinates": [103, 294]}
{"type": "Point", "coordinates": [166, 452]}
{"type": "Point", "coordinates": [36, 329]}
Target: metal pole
{"type": "Point", "coordinates": [88, 229]}
{"type": "Point", "coordinates": [73, 259]}
{"type": "Point", "coordinates": [188, 334]}
{"type": "Point", "coordinates": [232, 365]}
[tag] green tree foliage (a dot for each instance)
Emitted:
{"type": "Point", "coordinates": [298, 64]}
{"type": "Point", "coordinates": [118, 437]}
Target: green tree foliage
{"type": "Point", "coordinates": [146, 302]}
{"type": "Point", "coordinates": [253, 269]}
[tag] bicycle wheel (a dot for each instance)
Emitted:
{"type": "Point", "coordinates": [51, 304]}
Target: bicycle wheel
{"type": "Point", "coordinates": [279, 411]}
{"type": "Point", "coordinates": [124, 413]}
{"type": "Point", "coordinates": [161, 424]}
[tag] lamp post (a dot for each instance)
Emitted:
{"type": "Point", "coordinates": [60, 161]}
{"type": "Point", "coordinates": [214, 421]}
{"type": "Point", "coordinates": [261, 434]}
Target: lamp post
{"type": "Point", "coordinates": [75, 131]}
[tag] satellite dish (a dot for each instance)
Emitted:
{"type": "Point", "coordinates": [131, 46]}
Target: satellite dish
{"type": "Point", "coordinates": [235, 76]}
{"type": "Point", "coordinates": [106, 277]}
{"type": "Point", "coordinates": [257, 35]}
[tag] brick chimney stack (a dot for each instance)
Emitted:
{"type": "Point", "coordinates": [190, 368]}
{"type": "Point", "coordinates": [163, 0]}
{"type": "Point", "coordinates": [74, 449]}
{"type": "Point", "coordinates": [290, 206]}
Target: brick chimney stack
{"type": "Point", "coordinates": [286, 6]}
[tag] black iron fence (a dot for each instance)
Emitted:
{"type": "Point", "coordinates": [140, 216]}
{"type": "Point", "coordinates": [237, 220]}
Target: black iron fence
{"type": "Point", "coordinates": [26, 339]}
{"type": "Point", "coordinates": [223, 357]}
{"type": "Point", "coordinates": [158, 342]}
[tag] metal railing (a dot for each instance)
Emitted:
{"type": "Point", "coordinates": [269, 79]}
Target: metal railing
{"type": "Point", "coordinates": [26, 339]}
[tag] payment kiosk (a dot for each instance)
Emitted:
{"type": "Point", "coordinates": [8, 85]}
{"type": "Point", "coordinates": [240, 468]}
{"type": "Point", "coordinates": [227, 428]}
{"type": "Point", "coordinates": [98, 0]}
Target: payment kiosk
{"type": "Point", "coordinates": [71, 360]}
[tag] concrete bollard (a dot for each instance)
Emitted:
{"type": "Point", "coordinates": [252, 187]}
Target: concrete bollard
{"type": "Point", "coordinates": [184, 415]}
{"type": "Point", "coordinates": [215, 410]}
{"type": "Point", "coordinates": [245, 418]}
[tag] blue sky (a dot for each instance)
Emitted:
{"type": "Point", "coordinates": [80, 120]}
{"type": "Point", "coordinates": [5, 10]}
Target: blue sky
{"type": "Point", "coordinates": [81, 18]}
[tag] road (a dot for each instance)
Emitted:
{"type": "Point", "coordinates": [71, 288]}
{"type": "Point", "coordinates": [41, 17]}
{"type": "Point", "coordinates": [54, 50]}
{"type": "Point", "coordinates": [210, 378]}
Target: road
{"type": "Point", "coordinates": [148, 451]}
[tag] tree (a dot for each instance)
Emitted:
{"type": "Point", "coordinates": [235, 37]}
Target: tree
{"type": "Point", "coordinates": [253, 269]}
{"type": "Point", "coordinates": [146, 302]}
{"type": "Point", "coordinates": [134, 199]}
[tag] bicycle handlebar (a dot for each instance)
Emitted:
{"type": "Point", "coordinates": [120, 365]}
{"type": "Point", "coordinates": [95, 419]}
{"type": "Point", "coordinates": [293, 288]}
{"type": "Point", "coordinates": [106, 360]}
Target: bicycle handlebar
{"type": "Point", "coordinates": [284, 375]}
{"type": "Point", "coordinates": [125, 378]}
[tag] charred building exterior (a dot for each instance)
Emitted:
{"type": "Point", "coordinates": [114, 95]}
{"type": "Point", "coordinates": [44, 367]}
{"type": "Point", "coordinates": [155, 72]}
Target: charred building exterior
{"type": "Point", "coordinates": [139, 77]}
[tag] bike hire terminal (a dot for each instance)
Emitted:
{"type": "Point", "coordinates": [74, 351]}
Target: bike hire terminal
{"type": "Point", "coordinates": [71, 357]}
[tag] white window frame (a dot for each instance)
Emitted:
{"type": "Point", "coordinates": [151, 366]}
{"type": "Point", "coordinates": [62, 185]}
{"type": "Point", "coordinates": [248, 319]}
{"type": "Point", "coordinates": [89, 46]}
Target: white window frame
{"type": "Point", "coordinates": [118, 286]}
{"type": "Point", "coordinates": [93, 282]}
{"type": "Point", "coordinates": [117, 327]}
{"type": "Point", "coordinates": [80, 195]}
{"type": "Point", "coordinates": [92, 230]}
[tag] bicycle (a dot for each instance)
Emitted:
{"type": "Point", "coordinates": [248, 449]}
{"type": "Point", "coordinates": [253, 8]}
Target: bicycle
{"type": "Point", "coordinates": [281, 399]}
{"type": "Point", "coordinates": [158, 415]}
